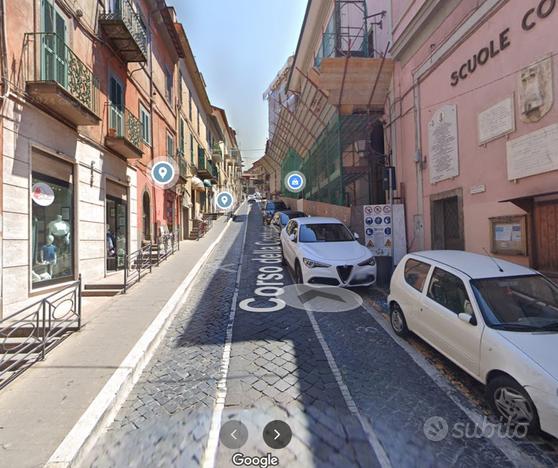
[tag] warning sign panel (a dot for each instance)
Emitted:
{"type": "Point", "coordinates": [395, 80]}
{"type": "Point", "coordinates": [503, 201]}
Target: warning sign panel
{"type": "Point", "coordinates": [378, 230]}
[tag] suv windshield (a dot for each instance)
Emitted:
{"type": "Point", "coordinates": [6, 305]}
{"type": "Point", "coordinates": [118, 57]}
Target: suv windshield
{"type": "Point", "coordinates": [275, 206]}
{"type": "Point", "coordinates": [518, 303]}
{"type": "Point", "coordinates": [327, 232]}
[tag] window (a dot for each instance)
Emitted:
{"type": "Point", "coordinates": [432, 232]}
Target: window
{"type": "Point", "coordinates": [192, 148]}
{"type": "Point", "coordinates": [179, 91]}
{"type": "Point", "coordinates": [416, 273]}
{"type": "Point", "coordinates": [325, 232]}
{"type": "Point", "coordinates": [145, 118]}
{"type": "Point", "coordinates": [170, 145]}
{"type": "Point", "coordinates": [52, 227]}
{"type": "Point", "coordinates": [181, 135]}
{"type": "Point", "coordinates": [190, 107]}
{"type": "Point", "coordinates": [168, 85]}
{"type": "Point", "coordinates": [116, 98]}
{"type": "Point", "coordinates": [449, 291]}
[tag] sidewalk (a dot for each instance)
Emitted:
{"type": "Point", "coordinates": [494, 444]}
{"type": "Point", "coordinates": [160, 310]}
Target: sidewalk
{"type": "Point", "coordinates": [40, 407]}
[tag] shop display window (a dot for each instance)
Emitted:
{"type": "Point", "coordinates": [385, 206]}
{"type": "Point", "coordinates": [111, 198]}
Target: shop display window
{"type": "Point", "coordinates": [52, 231]}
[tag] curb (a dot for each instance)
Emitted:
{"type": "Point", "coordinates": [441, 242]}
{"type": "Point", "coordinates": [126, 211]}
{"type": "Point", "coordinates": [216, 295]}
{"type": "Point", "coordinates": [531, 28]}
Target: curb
{"type": "Point", "coordinates": [103, 409]}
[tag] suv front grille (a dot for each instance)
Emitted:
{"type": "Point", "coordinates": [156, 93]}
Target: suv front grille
{"type": "Point", "coordinates": [344, 272]}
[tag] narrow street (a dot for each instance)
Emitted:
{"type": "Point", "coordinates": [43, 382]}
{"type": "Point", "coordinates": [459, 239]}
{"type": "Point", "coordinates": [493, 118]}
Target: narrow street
{"type": "Point", "coordinates": [351, 394]}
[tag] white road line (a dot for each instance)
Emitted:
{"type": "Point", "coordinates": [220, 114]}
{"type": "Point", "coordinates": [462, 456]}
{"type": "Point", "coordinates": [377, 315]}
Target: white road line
{"type": "Point", "coordinates": [353, 408]}
{"type": "Point", "coordinates": [517, 456]}
{"type": "Point", "coordinates": [103, 409]}
{"type": "Point", "coordinates": [210, 454]}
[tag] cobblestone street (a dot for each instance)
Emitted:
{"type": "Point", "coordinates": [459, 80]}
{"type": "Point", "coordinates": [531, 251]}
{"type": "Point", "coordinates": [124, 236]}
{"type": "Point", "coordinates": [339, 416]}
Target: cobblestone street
{"type": "Point", "coordinates": [351, 393]}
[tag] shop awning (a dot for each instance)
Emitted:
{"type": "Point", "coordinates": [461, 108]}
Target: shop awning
{"type": "Point", "coordinates": [207, 182]}
{"type": "Point", "coordinates": [197, 183]}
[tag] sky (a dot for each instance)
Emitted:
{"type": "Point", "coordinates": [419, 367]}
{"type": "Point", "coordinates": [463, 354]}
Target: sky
{"type": "Point", "coordinates": [239, 46]}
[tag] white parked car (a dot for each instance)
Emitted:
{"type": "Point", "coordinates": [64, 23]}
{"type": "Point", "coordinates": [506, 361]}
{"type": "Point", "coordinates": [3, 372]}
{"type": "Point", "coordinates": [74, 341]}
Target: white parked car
{"type": "Point", "coordinates": [496, 320]}
{"type": "Point", "coordinates": [323, 251]}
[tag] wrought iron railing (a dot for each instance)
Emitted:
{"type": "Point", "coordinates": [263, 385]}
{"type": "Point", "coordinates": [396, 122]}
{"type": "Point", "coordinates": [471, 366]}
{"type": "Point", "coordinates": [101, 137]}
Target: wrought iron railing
{"type": "Point", "coordinates": [141, 262]}
{"type": "Point", "coordinates": [122, 10]}
{"type": "Point", "coordinates": [136, 265]}
{"type": "Point", "coordinates": [168, 244]}
{"type": "Point", "coordinates": [125, 124]}
{"type": "Point", "coordinates": [27, 335]}
{"type": "Point", "coordinates": [48, 58]}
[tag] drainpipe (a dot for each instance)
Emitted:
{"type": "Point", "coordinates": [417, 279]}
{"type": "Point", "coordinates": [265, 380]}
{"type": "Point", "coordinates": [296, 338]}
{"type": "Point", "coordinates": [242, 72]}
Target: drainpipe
{"type": "Point", "coordinates": [419, 219]}
{"type": "Point", "coordinates": [6, 84]}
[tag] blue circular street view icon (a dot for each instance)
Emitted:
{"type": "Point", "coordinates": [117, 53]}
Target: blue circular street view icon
{"type": "Point", "coordinates": [163, 173]}
{"type": "Point", "coordinates": [224, 200]}
{"type": "Point", "coordinates": [295, 181]}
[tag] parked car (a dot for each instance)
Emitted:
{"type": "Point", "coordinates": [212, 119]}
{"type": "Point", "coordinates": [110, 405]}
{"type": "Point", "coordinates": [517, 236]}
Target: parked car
{"type": "Point", "coordinates": [282, 218]}
{"type": "Point", "coordinates": [324, 251]}
{"type": "Point", "coordinates": [271, 207]}
{"type": "Point", "coordinates": [251, 198]}
{"type": "Point", "coordinates": [496, 320]}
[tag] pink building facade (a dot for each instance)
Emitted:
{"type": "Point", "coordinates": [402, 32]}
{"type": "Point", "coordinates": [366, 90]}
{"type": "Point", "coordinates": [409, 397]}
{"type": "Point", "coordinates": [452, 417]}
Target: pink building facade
{"type": "Point", "coordinates": [471, 126]}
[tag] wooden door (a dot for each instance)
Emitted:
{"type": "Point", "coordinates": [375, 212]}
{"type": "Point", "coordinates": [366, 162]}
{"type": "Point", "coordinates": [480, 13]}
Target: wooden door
{"type": "Point", "coordinates": [546, 228]}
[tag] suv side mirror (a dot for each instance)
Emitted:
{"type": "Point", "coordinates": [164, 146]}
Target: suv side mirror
{"type": "Point", "coordinates": [357, 237]}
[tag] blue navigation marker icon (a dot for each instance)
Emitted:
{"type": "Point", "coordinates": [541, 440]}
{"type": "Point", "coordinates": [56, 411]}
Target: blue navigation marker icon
{"type": "Point", "coordinates": [224, 200]}
{"type": "Point", "coordinates": [162, 173]}
{"type": "Point", "coordinates": [295, 181]}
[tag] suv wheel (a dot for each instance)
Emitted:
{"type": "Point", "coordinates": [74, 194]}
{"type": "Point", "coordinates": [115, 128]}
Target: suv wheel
{"type": "Point", "coordinates": [298, 274]}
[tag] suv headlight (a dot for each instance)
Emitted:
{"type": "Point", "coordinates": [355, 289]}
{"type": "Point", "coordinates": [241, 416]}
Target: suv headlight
{"type": "Point", "coordinates": [369, 262]}
{"type": "Point", "coordinates": [314, 264]}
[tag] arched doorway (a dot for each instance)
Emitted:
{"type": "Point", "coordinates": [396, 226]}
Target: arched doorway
{"type": "Point", "coordinates": [146, 216]}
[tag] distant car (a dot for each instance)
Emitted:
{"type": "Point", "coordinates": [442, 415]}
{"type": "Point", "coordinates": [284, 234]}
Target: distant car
{"type": "Point", "coordinates": [271, 207]}
{"type": "Point", "coordinates": [496, 320]}
{"type": "Point", "coordinates": [324, 251]}
{"type": "Point", "coordinates": [282, 218]}
{"type": "Point", "coordinates": [251, 199]}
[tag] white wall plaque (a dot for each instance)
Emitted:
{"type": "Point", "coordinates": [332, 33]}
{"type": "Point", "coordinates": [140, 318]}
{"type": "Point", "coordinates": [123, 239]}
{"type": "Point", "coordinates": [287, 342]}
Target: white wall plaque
{"type": "Point", "coordinates": [442, 144]}
{"type": "Point", "coordinates": [496, 121]}
{"type": "Point", "coordinates": [534, 153]}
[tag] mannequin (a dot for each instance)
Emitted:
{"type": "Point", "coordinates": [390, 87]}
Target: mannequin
{"type": "Point", "coordinates": [49, 254]}
{"type": "Point", "coordinates": [60, 229]}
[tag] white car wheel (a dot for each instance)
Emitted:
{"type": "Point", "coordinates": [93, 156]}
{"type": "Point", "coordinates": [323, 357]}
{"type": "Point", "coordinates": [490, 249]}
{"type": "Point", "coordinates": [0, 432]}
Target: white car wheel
{"type": "Point", "coordinates": [512, 403]}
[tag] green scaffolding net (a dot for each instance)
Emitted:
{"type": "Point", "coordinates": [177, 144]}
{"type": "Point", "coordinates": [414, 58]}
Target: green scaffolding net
{"type": "Point", "coordinates": [334, 163]}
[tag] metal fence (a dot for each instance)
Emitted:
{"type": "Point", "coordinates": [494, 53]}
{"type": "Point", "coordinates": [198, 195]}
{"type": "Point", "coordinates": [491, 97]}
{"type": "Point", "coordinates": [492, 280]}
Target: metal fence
{"type": "Point", "coordinates": [27, 335]}
{"type": "Point", "coordinates": [141, 262]}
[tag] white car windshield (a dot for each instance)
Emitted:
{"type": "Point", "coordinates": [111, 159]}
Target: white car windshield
{"type": "Point", "coordinates": [326, 232]}
{"type": "Point", "coordinates": [528, 303]}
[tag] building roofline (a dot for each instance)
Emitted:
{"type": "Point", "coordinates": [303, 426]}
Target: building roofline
{"type": "Point", "coordinates": [299, 42]}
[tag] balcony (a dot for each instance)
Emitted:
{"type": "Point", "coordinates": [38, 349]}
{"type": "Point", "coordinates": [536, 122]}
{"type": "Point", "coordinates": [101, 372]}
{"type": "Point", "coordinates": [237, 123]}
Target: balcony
{"type": "Point", "coordinates": [57, 80]}
{"type": "Point", "coordinates": [217, 153]}
{"type": "Point", "coordinates": [204, 165]}
{"type": "Point", "coordinates": [124, 133]}
{"type": "Point", "coordinates": [125, 31]}
{"type": "Point", "coordinates": [214, 171]}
